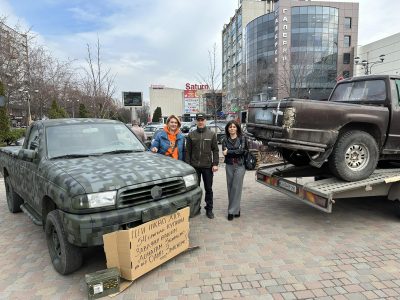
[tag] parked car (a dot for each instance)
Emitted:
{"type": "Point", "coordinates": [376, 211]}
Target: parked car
{"type": "Point", "coordinates": [149, 130]}
{"type": "Point", "coordinates": [185, 127]}
{"type": "Point", "coordinates": [220, 123]}
{"type": "Point", "coordinates": [220, 131]}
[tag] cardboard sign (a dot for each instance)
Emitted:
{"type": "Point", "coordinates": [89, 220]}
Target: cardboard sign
{"type": "Point", "coordinates": [140, 249]}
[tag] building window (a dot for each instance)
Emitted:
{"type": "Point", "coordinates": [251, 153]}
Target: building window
{"type": "Point", "coordinates": [347, 41]}
{"type": "Point", "coordinates": [347, 23]}
{"type": "Point", "coordinates": [346, 58]}
{"type": "Point", "coordinates": [346, 74]}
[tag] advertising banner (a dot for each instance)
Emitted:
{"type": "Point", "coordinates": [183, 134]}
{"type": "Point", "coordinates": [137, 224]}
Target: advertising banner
{"type": "Point", "coordinates": [192, 103]}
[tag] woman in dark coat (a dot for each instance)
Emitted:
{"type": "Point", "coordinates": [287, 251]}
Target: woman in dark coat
{"type": "Point", "coordinates": [233, 148]}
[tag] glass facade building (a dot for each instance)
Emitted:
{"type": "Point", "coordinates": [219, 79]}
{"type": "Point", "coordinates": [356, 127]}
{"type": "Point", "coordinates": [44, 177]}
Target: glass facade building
{"type": "Point", "coordinates": [301, 48]}
{"type": "Point", "coordinates": [314, 51]}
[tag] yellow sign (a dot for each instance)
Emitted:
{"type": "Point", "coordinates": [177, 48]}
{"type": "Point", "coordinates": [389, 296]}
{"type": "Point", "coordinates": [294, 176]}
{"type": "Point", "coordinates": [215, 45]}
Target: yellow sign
{"type": "Point", "coordinates": [140, 249]}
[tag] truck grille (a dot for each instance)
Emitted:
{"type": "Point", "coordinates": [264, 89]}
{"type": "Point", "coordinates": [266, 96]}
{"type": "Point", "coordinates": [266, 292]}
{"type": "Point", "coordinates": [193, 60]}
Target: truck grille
{"type": "Point", "coordinates": [135, 195]}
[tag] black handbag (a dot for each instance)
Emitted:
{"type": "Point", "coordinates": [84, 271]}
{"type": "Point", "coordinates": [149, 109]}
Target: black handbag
{"type": "Point", "coordinates": [250, 161]}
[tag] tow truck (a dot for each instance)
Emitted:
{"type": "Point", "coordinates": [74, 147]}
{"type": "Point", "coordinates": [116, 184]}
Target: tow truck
{"type": "Point", "coordinates": [319, 189]}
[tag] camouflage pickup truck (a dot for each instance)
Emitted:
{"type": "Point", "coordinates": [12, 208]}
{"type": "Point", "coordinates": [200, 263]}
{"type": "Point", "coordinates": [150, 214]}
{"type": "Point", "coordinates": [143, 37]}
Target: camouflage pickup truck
{"type": "Point", "coordinates": [82, 178]}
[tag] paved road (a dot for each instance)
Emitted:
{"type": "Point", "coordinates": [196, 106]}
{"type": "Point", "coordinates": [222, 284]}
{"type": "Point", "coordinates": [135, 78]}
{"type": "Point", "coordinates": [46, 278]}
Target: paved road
{"type": "Point", "coordinates": [278, 249]}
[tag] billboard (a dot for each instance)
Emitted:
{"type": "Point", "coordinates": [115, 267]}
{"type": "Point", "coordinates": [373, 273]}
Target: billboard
{"type": "Point", "coordinates": [192, 103]}
{"type": "Point", "coordinates": [132, 98]}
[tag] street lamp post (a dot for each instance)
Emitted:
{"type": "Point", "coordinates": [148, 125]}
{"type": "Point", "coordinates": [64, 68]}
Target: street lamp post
{"type": "Point", "coordinates": [368, 64]}
{"type": "Point", "coordinates": [28, 98]}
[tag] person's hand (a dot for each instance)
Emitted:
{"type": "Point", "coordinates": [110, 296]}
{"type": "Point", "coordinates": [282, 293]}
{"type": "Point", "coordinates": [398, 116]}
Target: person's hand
{"type": "Point", "coordinates": [215, 168]}
{"type": "Point", "coordinates": [154, 149]}
{"type": "Point", "coordinates": [225, 152]}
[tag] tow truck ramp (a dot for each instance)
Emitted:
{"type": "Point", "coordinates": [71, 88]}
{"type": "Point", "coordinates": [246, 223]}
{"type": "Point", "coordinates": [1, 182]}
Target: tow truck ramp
{"type": "Point", "coordinates": [317, 188]}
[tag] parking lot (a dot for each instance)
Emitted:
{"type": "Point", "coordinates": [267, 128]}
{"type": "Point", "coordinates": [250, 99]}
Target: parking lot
{"type": "Point", "coordinates": [278, 249]}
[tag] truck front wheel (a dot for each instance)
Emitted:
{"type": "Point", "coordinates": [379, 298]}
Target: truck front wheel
{"type": "Point", "coordinates": [66, 258]}
{"type": "Point", "coordinates": [354, 156]}
{"type": "Point", "coordinates": [13, 200]}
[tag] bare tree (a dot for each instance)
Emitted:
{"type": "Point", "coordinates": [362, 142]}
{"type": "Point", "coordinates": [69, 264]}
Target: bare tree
{"type": "Point", "coordinates": [34, 78]}
{"type": "Point", "coordinates": [99, 84]}
{"type": "Point", "coordinates": [143, 113]}
{"type": "Point", "coordinates": [304, 75]}
{"type": "Point", "coordinates": [213, 80]}
{"type": "Point", "coordinates": [50, 80]}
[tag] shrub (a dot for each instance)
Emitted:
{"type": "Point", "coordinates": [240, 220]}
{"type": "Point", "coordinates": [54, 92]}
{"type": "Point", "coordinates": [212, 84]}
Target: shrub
{"type": "Point", "coordinates": [13, 135]}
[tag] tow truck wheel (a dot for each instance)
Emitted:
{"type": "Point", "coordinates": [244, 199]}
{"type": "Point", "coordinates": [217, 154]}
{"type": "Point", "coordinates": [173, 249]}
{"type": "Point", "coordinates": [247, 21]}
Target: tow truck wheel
{"type": "Point", "coordinates": [354, 156]}
{"type": "Point", "coordinates": [296, 158]}
{"type": "Point", "coordinates": [13, 200]}
{"type": "Point", "coordinates": [66, 258]}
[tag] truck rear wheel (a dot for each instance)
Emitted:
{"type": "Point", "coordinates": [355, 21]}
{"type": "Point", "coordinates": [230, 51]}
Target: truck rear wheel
{"type": "Point", "coordinates": [66, 258]}
{"type": "Point", "coordinates": [296, 158]}
{"type": "Point", "coordinates": [354, 156]}
{"type": "Point", "coordinates": [14, 201]}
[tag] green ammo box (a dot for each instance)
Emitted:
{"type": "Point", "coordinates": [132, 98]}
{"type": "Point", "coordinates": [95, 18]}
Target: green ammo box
{"type": "Point", "coordinates": [102, 283]}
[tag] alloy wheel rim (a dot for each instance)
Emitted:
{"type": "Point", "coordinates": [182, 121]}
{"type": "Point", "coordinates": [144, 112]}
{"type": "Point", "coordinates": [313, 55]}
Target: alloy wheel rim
{"type": "Point", "coordinates": [357, 157]}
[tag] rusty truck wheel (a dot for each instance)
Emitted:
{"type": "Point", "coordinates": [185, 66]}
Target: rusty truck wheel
{"type": "Point", "coordinates": [14, 201]}
{"type": "Point", "coordinates": [66, 258]}
{"type": "Point", "coordinates": [354, 156]}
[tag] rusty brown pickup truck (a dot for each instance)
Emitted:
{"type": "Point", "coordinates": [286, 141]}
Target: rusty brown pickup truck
{"type": "Point", "coordinates": [358, 126]}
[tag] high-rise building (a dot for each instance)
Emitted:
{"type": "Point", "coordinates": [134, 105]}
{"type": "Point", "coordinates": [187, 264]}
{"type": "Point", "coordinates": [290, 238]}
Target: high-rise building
{"type": "Point", "coordinates": [298, 49]}
{"type": "Point", "coordinates": [14, 72]}
{"type": "Point", "coordinates": [233, 56]}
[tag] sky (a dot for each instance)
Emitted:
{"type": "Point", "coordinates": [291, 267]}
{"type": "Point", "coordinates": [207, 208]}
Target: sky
{"type": "Point", "coordinates": [154, 42]}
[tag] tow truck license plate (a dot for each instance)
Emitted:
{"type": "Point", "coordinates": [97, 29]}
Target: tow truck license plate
{"type": "Point", "coordinates": [287, 186]}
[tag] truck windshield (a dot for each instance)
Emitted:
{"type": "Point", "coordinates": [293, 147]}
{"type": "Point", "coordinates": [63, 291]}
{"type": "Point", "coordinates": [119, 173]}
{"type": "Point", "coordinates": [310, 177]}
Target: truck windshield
{"type": "Point", "coordinates": [90, 139]}
{"type": "Point", "coordinates": [360, 91]}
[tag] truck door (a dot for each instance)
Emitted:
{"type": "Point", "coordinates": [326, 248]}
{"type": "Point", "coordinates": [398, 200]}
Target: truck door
{"type": "Point", "coordinates": [393, 140]}
{"type": "Point", "coordinates": [28, 180]}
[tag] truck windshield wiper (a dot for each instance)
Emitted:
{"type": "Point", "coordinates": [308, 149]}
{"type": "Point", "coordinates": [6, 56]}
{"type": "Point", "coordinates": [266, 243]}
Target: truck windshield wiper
{"type": "Point", "coordinates": [121, 151]}
{"type": "Point", "coordinates": [75, 155]}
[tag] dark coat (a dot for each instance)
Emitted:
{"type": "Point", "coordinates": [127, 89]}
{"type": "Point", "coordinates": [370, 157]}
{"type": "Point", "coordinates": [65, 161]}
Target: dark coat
{"type": "Point", "coordinates": [236, 150]}
{"type": "Point", "coordinates": [202, 148]}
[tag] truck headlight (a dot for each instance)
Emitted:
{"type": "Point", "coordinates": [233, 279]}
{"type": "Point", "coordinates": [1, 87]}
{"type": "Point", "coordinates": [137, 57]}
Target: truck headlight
{"type": "Point", "coordinates": [190, 180]}
{"type": "Point", "coordinates": [95, 200]}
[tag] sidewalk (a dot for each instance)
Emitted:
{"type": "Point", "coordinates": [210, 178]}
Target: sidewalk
{"type": "Point", "coordinates": [278, 249]}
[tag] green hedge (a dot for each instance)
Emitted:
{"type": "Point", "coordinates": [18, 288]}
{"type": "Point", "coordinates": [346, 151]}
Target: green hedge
{"type": "Point", "coordinates": [10, 137]}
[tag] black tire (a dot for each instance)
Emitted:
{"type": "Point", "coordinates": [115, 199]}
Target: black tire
{"type": "Point", "coordinates": [297, 158]}
{"type": "Point", "coordinates": [396, 205]}
{"type": "Point", "coordinates": [354, 156]}
{"type": "Point", "coordinates": [14, 201]}
{"type": "Point", "coordinates": [65, 257]}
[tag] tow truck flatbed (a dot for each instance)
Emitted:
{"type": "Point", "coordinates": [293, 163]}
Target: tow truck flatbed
{"type": "Point", "coordinates": [319, 189]}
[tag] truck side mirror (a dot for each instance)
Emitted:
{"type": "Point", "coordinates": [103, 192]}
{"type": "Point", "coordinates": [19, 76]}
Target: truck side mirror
{"type": "Point", "coordinates": [27, 154]}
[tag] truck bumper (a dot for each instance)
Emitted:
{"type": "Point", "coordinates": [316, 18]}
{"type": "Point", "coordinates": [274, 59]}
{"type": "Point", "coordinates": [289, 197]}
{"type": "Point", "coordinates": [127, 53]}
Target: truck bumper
{"type": "Point", "coordinates": [87, 230]}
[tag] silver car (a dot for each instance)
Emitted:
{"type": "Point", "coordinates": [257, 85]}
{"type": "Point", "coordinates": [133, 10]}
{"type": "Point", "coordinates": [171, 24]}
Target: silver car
{"type": "Point", "coordinates": [149, 130]}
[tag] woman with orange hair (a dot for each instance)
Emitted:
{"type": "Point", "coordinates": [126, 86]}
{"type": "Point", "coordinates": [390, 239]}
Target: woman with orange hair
{"type": "Point", "coordinates": [170, 141]}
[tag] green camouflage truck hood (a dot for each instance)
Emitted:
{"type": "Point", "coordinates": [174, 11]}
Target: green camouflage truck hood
{"type": "Point", "coordinates": [114, 171]}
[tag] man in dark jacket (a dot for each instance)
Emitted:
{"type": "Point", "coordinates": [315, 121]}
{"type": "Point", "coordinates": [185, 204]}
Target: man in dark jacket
{"type": "Point", "coordinates": [202, 154]}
